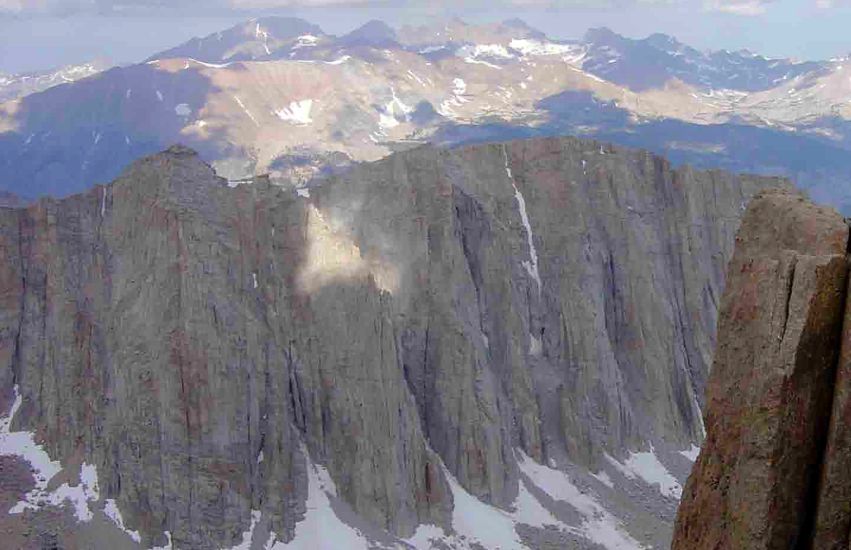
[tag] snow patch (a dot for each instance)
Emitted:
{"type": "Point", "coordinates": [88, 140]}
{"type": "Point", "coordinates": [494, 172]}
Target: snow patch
{"type": "Point", "coordinates": [303, 192]}
{"type": "Point", "coordinates": [646, 466]}
{"type": "Point", "coordinates": [23, 445]}
{"type": "Point", "coordinates": [598, 525]}
{"type": "Point", "coordinates": [691, 453]}
{"type": "Point", "coordinates": [473, 519]}
{"type": "Point", "coordinates": [111, 510]}
{"type": "Point", "coordinates": [79, 497]}
{"type": "Point", "coordinates": [183, 109]}
{"type": "Point", "coordinates": [260, 33]}
{"type": "Point", "coordinates": [459, 88]}
{"type": "Point", "coordinates": [425, 534]}
{"type": "Point", "coordinates": [535, 346]}
{"type": "Point", "coordinates": [254, 278]}
{"type": "Point", "coordinates": [298, 112]}
{"type": "Point", "coordinates": [159, 96]}
{"type": "Point", "coordinates": [320, 529]}
{"type": "Point", "coordinates": [393, 112]}
{"type": "Point", "coordinates": [305, 41]}
{"type": "Point", "coordinates": [571, 54]}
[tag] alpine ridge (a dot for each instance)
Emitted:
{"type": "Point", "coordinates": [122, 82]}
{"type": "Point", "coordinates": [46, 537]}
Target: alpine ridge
{"type": "Point", "coordinates": [502, 345]}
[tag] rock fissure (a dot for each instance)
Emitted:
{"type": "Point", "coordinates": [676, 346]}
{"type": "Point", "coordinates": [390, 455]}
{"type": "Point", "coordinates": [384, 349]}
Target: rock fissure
{"type": "Point", "coordinates": [790, 284]}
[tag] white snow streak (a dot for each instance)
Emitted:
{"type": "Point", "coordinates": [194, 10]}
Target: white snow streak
{"type": "Point", "coordinates": [604, 478]}
{"type": "Point", "coordinates": [168, 545]}
{"type": "Point", "coordinates": [260, 33]}
{"type": "Point", "coordinates": [246, 111]}
{"type": "Point", "coordinates": [532, 265]}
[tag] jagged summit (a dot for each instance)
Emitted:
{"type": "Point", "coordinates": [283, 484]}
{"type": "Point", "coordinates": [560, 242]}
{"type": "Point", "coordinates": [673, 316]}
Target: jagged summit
{"type": "Point", "coordinates": [377, 34]}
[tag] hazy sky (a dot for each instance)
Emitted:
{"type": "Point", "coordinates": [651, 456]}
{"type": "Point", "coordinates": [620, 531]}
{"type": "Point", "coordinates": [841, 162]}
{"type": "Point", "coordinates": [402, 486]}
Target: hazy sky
{"type": "Point", "coordinates": [39, 34]}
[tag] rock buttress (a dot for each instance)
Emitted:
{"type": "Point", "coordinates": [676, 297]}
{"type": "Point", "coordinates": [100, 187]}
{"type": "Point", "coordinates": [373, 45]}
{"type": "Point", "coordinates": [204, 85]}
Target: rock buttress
{"type": "Point", "coordinates": [771, 388]}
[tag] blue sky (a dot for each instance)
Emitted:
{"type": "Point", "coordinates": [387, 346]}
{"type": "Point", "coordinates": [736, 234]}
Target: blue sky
{"type": "Point", "coordinates": [39, 34]}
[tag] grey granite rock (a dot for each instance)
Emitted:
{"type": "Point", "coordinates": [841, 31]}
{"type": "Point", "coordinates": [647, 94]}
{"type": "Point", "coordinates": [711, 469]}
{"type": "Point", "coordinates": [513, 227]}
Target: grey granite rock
{"type": "Point", "coordinates": [436, 307]}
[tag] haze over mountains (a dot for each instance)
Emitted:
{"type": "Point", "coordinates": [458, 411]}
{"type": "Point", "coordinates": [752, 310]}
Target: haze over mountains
{"type": "Point", "coordinates": [279, 96]}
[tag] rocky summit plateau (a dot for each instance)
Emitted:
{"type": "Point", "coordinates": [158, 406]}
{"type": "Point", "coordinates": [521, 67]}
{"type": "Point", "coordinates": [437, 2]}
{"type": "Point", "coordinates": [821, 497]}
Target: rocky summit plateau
{"type": "Point", "coordinates": [502, 345]}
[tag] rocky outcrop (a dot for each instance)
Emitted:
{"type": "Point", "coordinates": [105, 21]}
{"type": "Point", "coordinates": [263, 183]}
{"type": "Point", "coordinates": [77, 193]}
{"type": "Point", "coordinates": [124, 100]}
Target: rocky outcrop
{"type": "Point", "coordinates": [770, 438]}
{"type": "Point", "coordinates": [414, 322]}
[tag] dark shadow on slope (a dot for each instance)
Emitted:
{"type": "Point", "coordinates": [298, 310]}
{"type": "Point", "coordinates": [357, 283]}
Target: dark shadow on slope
{"type": "Point", "coordinates": [72, 136]}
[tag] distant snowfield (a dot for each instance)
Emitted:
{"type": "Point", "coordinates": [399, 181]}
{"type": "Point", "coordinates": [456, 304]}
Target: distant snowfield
{"type": "Point", "coordinates": [298, 112]}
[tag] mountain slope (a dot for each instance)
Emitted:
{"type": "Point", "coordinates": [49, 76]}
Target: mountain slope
{"type": "Point", "coordinates": [257, 39]}
{"type": "Point", "coordinates": [315, 103]}
{"type": "Point", "coordinates": [431, 340]}
{"type": "Point", "coordinates": [15, 86]}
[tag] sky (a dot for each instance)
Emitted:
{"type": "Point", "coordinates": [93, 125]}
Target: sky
{"type": "Point", "coordinates": [41, 34]}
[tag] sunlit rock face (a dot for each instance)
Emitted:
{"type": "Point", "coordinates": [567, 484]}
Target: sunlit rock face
{"type": "Point", "coordinates": [421, 348]}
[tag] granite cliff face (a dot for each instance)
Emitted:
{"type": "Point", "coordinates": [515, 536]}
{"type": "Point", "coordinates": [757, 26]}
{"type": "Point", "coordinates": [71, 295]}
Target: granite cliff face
{"type": "Point", "coordinates": [773, 470]}
{"type": "Point", "coordinates": [436, 332]}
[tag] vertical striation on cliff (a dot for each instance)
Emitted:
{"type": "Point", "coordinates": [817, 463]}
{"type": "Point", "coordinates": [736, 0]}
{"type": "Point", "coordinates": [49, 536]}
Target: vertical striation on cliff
{"type": "Point", "coordinates": [410, 326]}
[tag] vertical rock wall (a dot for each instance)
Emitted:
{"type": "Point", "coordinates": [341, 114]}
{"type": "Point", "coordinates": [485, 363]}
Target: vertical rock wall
{"type": "Point", "coordinates": [437, 308]}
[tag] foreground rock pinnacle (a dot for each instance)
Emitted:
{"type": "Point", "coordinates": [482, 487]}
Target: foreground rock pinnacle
{"type": "Point", "coordinates": [772, 388]}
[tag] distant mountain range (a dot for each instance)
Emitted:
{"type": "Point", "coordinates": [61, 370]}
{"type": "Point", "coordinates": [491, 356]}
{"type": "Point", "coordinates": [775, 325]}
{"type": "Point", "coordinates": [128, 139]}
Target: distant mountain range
{"type": "Point", "coordinates": [280, 96]}
{"type": "Point", "coordinates": [14, 86]}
